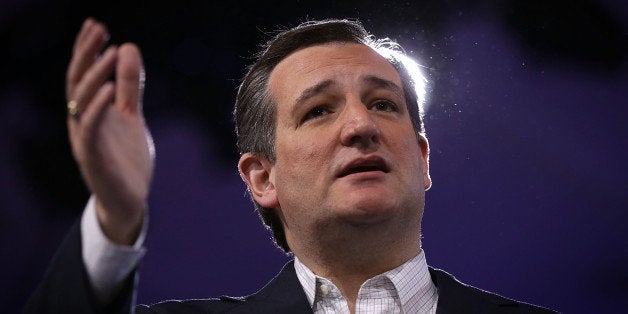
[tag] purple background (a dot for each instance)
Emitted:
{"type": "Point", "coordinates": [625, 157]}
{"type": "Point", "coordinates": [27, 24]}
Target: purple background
{"type": "Point", "coordinates": [525, 121]}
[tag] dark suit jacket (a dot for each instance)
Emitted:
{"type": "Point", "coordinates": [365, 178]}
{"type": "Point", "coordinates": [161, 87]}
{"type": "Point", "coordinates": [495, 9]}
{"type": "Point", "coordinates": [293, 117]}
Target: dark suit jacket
{"type": "Point", "coordinates": [66, 289]}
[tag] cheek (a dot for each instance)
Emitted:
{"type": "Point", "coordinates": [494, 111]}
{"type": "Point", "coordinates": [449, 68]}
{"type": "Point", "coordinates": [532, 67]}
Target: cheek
{"type": "Point", "coordinates": [301, 163]}
{"type": "Point", "coordinates": [306, 150]}
{"type": "Point", "coordinates": [410, 161]}
{"type": "Point", "coordinates": [408, 151]}
{"type": "Point", "coordinates": [299, 177]}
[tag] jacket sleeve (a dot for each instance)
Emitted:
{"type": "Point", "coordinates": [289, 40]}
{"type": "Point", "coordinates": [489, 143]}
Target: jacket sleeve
{"type": "Point", "coordinates": [66, 287]}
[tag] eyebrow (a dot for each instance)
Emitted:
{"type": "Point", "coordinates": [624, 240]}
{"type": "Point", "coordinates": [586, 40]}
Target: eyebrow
{"type": "Point", "coordinates": [378, 82]}
{"type": "Point", "coordinates": [313, 91]}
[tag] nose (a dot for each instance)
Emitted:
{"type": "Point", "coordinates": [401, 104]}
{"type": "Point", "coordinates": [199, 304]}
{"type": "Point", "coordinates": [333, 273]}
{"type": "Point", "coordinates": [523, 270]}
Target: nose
{"type": "Point", "coordinates": [358, 127]}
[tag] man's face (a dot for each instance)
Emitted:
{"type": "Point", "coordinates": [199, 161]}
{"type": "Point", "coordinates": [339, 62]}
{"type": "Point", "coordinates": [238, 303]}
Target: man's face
{"type": "Point", "coordinates": [346, 151]}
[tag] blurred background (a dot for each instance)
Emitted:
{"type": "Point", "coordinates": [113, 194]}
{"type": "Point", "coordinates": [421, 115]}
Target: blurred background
{"type": "Point", "coordinates": [526, 121]}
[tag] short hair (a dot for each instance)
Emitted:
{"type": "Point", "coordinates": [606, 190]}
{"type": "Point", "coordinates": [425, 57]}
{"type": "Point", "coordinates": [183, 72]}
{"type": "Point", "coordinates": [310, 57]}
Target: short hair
{"type": "Point", "coordinates": [255, 110]}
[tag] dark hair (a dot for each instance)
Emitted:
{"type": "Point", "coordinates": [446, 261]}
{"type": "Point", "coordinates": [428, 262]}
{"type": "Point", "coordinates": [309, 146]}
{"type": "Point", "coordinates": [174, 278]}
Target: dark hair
{"type": "Point", "coordinates": [255, 110]}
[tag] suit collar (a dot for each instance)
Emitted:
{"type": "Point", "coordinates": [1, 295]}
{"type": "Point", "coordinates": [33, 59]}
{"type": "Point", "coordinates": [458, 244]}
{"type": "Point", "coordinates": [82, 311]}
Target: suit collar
{"type": "Point", "coordinates": [283, 294]}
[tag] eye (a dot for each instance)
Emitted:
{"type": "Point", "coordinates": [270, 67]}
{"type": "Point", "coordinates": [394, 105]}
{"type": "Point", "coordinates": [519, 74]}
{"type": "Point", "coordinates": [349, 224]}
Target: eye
{"type": "Point", "coordinates": [385, 105]}
{"type": "Point", "coordinates": [315, 113]}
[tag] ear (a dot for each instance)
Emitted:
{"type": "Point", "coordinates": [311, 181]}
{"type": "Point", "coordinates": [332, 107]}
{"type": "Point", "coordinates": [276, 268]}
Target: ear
{"type": "Point", "coordinates": [425, 161]}
{"type": "Point", "coordinates": [256, 172]}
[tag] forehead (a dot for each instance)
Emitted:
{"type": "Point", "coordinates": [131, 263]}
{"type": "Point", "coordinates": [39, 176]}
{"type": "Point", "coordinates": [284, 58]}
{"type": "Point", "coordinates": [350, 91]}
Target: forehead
{"type": "Point", "coordinates": [340, 62]}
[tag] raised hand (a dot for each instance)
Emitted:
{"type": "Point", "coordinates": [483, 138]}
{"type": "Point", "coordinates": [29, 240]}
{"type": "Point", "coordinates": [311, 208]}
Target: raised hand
{"type": "Point", "coordinates": [108, 134]}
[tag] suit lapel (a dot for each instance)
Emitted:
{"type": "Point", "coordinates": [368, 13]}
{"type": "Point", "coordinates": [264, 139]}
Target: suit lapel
{"type": "Point", "coordinates": [283, 294]}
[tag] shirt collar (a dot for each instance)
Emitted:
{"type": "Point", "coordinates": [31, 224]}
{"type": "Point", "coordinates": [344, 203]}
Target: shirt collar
{"type": "Point", "coordinates": [417, 293]}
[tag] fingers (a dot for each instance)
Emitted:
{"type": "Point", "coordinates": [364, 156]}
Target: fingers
{"type": "Point", "coordinates": [83, 129]}
{"type": "Point", "coordinates": [90, 40]}
{"type": "Point", "coordinates": [89, 119]}
{"type": "Point", "coordinates": [93, 79]}
{"type": "Point", "coordinates": [102, 99]}
{"type": "Point", "coordinates": [129, 78]}
{"type": "Point", "coordinates": [87, 73]}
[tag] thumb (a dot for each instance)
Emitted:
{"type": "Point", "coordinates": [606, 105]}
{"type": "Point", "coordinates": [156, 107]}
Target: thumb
{"type": "Point", "coordinates": [129, 78]}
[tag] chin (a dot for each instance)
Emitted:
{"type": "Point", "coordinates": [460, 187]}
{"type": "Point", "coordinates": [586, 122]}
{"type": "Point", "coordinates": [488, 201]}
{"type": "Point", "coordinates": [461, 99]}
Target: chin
{"type": "Point", "coordinates": [370, 211]}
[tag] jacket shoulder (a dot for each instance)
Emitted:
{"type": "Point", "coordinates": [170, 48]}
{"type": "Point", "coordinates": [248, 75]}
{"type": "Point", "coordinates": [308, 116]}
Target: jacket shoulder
{"type": "Point", "coordinates": [218, 305]}
{"type": "Point", "coordinates": [457, 297]}
{"type": "Point", "coordinates": [283, 294]}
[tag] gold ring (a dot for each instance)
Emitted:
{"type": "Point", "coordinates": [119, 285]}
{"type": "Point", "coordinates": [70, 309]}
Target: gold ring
{"type": "Point", "coordinates": [73, 109]}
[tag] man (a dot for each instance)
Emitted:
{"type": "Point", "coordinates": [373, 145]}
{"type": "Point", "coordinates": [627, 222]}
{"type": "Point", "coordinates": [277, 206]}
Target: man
{"type": "Point", "coordinates": [333, 153]}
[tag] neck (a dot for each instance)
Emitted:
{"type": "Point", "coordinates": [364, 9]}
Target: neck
{"type": "Point", "coordinates": [356, 254]}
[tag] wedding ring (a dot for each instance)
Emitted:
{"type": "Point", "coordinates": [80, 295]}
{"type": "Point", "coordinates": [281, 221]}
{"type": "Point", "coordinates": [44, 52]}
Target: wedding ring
{"type": "Point", "coordinates": [73, 109]}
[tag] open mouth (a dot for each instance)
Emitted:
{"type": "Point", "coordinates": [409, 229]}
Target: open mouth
{"type": "Point", "coordinates": [358, 166]}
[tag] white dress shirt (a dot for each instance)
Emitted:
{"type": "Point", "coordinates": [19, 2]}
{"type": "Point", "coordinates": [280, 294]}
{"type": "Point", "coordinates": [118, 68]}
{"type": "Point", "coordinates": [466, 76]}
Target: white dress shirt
{"type": "Point", "coordinates": [405, 289]}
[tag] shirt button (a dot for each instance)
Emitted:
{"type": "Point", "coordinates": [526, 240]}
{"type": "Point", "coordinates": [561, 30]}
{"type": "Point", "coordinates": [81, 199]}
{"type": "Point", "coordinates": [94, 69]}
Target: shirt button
{"type": "Point", "coordinates": [325, 289]}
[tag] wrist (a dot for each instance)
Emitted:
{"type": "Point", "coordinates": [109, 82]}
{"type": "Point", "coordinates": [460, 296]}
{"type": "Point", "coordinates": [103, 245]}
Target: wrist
{"type": "Point", "coordinates": [121, 227]}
